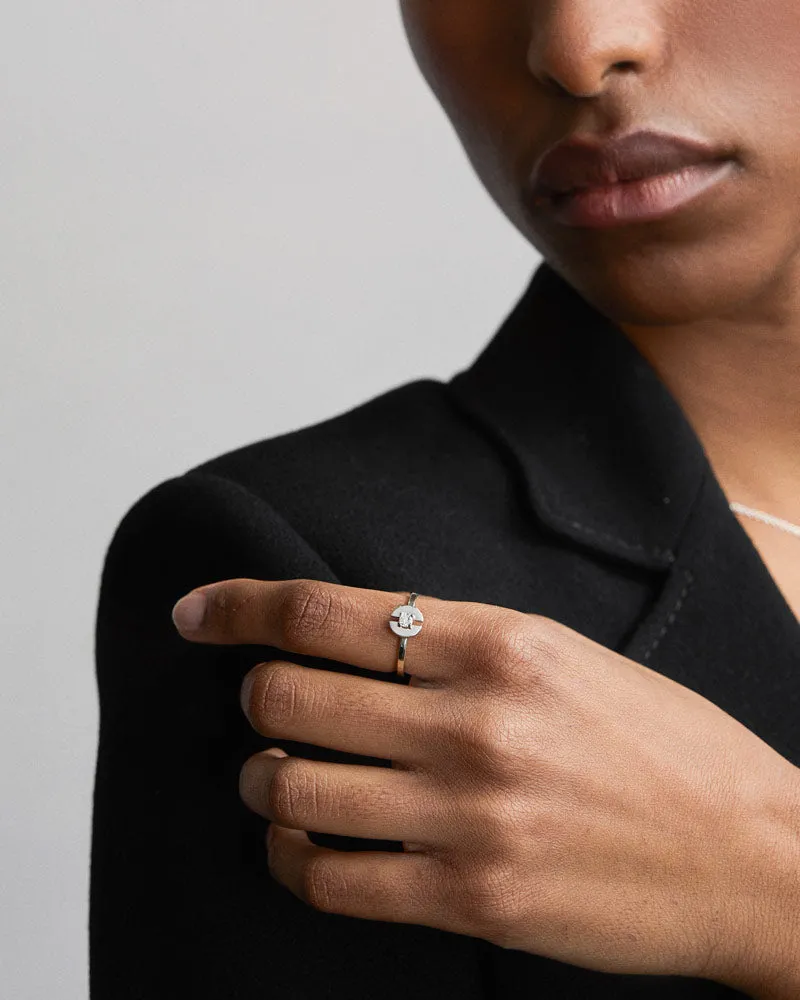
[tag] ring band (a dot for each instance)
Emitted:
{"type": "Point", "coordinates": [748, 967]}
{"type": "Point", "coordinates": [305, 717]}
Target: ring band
{"type": "Point", "coordinates": [408, 622]}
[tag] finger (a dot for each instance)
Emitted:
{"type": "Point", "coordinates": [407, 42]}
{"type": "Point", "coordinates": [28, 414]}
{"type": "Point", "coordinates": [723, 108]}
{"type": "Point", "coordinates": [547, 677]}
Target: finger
{"type": "Point", "coordinates": [348, 624]}
{"type": "Point", "coordinates": [360, 715]}
{"type": "Point", "coordinates": [406, 888]}
{"type": "Point", "coordinates": [351, 800]}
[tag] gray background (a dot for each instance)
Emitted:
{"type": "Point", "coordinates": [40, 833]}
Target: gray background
{"type": "Point", "coordinates": [220, 222]}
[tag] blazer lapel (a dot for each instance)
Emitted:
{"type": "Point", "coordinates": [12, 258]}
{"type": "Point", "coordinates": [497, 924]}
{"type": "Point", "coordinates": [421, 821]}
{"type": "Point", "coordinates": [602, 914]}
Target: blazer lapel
{"type": "Point", "coordinates": [611, 463]}
{"type": "Point", "coordinates": [722, 627]}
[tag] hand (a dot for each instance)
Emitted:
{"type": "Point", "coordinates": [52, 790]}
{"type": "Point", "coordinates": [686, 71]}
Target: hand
{"type": "Point", "coordinates": [551, 795]}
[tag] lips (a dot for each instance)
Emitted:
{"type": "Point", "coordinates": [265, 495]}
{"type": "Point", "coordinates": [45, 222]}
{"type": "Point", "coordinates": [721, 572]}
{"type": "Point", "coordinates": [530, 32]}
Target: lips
{"type": "Point", "coordinates": [587, 162]}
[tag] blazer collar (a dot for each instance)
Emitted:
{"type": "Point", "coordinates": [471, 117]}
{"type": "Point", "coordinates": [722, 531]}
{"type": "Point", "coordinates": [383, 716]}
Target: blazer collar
{"type": "Point", "coordinates": [607, 454]}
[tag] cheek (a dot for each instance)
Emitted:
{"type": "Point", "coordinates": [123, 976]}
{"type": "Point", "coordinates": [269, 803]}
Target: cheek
{"type": "Point", "coordinates": [473, 55]}
{"type": "Point", "coordinates": [745, 57]}
{"type": "Point", "coordinates": [465, 48]}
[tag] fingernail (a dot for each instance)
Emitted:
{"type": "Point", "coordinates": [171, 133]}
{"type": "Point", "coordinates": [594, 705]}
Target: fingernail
{"type": "Point", "coordinates": [276, 752]}
{"type": "Point", "coordinates": [188, 613]}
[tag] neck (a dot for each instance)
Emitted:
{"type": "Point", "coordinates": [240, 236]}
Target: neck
{"type": "Point", "coordinates": [740, 390]}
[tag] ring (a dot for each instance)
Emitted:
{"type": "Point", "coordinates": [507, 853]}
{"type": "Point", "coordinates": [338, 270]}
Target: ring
{"type": "Point", "coordinates": [402, 623]}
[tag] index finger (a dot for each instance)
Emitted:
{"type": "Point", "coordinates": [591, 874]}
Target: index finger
{"type": "Point", "coordinates": [337, 622]}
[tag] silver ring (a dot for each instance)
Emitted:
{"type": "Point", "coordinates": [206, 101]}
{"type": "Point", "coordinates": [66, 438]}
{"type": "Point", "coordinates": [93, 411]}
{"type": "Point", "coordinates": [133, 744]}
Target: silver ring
{"type": "Point", "coordinates": [402, 623]}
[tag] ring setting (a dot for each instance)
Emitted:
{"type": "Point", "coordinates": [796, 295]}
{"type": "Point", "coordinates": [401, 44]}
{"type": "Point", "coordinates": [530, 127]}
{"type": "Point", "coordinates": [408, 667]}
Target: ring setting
{"type": "Point", "coordinates": [408, 622]}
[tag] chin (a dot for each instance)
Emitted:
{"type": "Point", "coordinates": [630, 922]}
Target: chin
{"type": "Point", "coordinates": [659, 283]}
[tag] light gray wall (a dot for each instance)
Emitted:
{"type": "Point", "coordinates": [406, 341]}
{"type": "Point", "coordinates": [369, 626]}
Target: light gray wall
{"type": "Point", "coordinates": [220, 222]}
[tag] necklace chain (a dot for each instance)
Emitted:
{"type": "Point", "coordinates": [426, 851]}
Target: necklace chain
{"type": "Point", "coordinates": [760, 515]}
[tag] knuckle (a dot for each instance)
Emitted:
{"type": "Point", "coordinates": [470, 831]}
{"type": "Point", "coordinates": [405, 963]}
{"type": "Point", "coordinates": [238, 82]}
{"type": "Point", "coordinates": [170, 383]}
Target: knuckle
{"type": "Point", "coordinates": [322, 885]}
{"type": "Point", "coordinates": [498, 818]}
{"type": "Point", "coordinates": [499, 834]}
{"type": "Point", "coordinates": [274, 696]}
{"type": "Point", "coordinates": [287, 793]}
{"type": "Point", "coordinates": [490, 901]}
{"type": "Point", "coordinates": [546, 636]}
{"type": "Point", "coordinates": [521, 644]}
{"type": "Point", "coordinates": [306, 613]}
{"type": "Point", "coordinates": [505, 646]}
{"type": "Point", "coordinates": [499, 749]}
{"type": "Point", "coordinates": [489, 738]}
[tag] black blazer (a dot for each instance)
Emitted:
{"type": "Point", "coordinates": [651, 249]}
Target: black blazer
{"type": "Point", "coordinates": [555, 475]}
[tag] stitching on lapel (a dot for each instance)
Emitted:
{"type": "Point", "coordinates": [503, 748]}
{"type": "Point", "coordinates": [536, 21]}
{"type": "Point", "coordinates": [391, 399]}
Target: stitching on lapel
{"type": "Point", "coordinates": [633, 546]}
{"type": "Point", "coordinates": [673, 614]}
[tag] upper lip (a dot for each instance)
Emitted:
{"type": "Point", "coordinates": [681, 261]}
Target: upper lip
{"type": "Point", "coordinates": [587, 161]}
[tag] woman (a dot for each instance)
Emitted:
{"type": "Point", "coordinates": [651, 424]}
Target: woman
{"type": "Point", "coordinates": [587, 785]}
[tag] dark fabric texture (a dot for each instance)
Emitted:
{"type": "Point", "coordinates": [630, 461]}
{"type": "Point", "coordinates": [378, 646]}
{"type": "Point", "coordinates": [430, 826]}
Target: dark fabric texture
{"type": "Point", "coordinates": [556, 474]}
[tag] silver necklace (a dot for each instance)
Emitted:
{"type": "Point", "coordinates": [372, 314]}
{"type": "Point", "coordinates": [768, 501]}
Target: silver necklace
{"type": "Point", "coordinates": [759, 515]}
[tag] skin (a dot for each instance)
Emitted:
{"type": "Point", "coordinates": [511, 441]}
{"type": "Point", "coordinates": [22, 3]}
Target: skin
{"type": "Point", "coordinates": [710, 295]}
{"type": "Point", "coordinates": [512, 750]}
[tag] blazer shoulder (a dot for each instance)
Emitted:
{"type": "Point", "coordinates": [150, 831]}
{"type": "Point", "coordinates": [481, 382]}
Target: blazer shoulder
{"type": "Point", "coordinates": [338, 499]}
{"type": "Point", "coordinates": [408, 435]}
{"type": "Point", "coordinates": [275, 480]}
{"type": "Point", "coordinates": [196, 527]}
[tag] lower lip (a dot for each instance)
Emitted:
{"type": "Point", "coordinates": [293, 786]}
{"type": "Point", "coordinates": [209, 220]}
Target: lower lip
{"type": "Point", "coordinates": [637, 201]}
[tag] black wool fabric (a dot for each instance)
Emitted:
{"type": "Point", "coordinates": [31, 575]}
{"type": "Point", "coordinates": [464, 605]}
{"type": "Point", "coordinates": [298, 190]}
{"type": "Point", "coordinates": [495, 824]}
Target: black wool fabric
{"type": "Point", "coordinates": [556, 474]}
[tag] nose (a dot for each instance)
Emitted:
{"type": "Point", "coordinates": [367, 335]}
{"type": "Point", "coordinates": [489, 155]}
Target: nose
{"type": "Point", "coordinates": [575, 44]}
